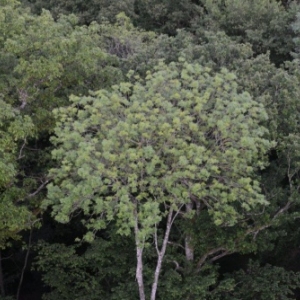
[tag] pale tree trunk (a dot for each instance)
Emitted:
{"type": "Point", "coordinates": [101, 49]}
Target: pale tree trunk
{"type": "Point", "coordinates": [189, 250]}
{"type": "Point", "coordinates": [161, 254]}
{"type": "Point", "coordinates": [139, 272]}
{"type": "Point", "coordinates": [139, 259]}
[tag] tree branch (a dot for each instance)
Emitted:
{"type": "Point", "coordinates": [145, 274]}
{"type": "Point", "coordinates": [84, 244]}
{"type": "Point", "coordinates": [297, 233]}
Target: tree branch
{"type": "Point", "coordinates": [21, 150]}
{"type": "Point", "coordinates": [206, 255]}
{"type": "Point", "coordinates": [38, 189]}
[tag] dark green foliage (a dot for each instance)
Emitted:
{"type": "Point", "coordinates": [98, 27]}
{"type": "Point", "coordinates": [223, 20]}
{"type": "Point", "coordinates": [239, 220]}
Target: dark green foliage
{"type": "Point", "coordinates": [162, 16]}
{"type": "Point", "coordinates": [87, 11]}
{"type": "Point", "coordinates": [263, 283]}
{"type": "Point", "coordinates": [265, 24]}
{"type": "Point", "coordinates": [167, 16]}
{"type": "Point", "coordinates": [233, 176]}
{"type": "Point", "coordinates": [14, 129]}
{"type": "Point", "coordinates": [104, 271]}
{"type": "Point", "coordinates": [48, 60]}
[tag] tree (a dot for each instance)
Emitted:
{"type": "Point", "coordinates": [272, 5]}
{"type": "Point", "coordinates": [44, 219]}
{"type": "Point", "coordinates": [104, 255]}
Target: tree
{"type": "Point", "coordinates": [100, 272]}
{"type": "Point", "coordinates": [176, 143]}
{"type": "Point", "coordinates": [14, 129]}
{"type": "Point", "coordinates": [41, 63]}
{"type": "Point", "coordinates": [263, 283]}
{"type": "Point", "coordinates": [265, 24]}
{"type": "Point", "coordinates": [87, 11]}
{"type": "Point", "coordinates": [167, 16]}
{"type": "Point", "coordinates": [15, 217]}
{"type": "Point", "coordinates": [161, 16]}
{"type": "Point", "coordinates": [48, 60]}
{"type": "Point", "coordinates": [46, 57]}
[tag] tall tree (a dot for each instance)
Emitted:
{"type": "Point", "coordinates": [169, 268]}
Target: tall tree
{"type": "Point", "coordinates": [179, 142]}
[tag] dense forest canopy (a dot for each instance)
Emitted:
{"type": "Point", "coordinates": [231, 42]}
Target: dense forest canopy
{"type": "Point", "coordinates": [149, 149]}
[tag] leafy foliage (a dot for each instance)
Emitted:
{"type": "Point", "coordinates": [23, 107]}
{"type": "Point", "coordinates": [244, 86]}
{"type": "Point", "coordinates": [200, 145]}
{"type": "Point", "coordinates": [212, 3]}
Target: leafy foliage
{"type": "Point", "coordinates": [13, 130]}
{"type": "Point", "coordinates": [264, 24]}
{"type": "Point", "coordinates": [46, 68]}
{"type": "Point", "coordinates": [174, 121]}
{"type": "Point", "coordinates": [87, 11]}
{"type": "Point", "coordinates": [102, 270]}
{"type": "Point", "coordinates": [187, 134]}
{"type": "Point", "coordinates": [146, 148]}
{"type": "Point", "coordinates": [264, 283]}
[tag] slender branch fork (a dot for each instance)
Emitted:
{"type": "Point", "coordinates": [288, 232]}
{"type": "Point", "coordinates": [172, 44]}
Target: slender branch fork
{"type": "Point", "coordinates": [221, 251]}
{"type": "Point", "coordinates": [21, 150]}
{"type": "Point", "coordinates": [162, 251]}
{"type": "Point", "coordinates": [212, 255]}
{"type": "Point", "coordinates": [44, 183]}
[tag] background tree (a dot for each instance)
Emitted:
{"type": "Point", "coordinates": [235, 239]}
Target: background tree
{"type": "Point", "coordinates": [14, 130]}
{"type": "Point", "coordinates": [42, 61]}
{"type": "Point", "coordinates": [15, 216]}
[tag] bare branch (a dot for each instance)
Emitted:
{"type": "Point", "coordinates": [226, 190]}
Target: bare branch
{"type": "Point", "coordinates": [227, 252]}
{"type": "Point", "coordinates": [176, 244]}
{"type": "Point", "coordinates": [21, 150]}
{"type": "Point", "coordinates": [177, 266]}
{"type": "Point", "coordinates": [206, 255]}
{"type": "Point", "coordinates": [255, 231]}
{"type": "Point", "coordinates": [38, 189]}
{"type": "Point", "coordinates": [176, 214]}
{"type": "Point", "coordinates": [283, 209]}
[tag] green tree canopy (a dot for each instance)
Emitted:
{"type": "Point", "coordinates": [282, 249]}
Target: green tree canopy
{"type": "Point", "coordinates": [14, 129]}
{"type": "Point", "coordinates": [145, 149]}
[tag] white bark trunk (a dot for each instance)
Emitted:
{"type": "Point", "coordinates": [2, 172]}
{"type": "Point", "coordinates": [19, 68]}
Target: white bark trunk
{"type": "Point", "coordinates": [139, 259]}
{"type": "Point", "coordinates": [139, 272]}
{"type": "Point", "coordinates": [161, 255]}
{"type": "Point", "coordinates": [189, 251]}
